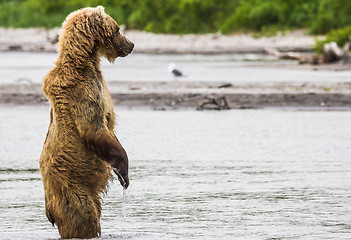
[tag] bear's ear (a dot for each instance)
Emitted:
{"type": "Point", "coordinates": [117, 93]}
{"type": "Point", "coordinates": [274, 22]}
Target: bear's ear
{"type": "Point", "coordinates": [100, 9]}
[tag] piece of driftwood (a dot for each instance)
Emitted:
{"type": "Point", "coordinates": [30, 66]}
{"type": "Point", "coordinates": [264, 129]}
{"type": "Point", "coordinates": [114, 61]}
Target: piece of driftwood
{"type": "Point", "coordinates": [283, 55]}
{"type": "Point", "coordinates": [331, 53]}
{"type": "Point", "coordinates": [214, 103]}
{"type": "Point", "coordinates": [225, 85]}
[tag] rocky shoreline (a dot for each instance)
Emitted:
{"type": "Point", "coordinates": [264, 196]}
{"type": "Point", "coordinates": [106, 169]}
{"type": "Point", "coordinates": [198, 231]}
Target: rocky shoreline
{"type": "Point", "coordinates": [197, 95]}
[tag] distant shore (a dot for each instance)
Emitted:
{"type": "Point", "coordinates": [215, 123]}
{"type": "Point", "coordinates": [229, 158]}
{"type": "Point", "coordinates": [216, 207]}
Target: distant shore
{"type": "Point", "coordinates": [43, 40]}
{"type": "Point", "coordinates": [177, 94]}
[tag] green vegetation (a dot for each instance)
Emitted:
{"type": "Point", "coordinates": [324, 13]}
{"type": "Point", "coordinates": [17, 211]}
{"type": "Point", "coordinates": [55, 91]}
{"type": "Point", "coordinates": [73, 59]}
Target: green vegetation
{"type": "Point", "coordinates": [167, 16]}
{"type": "Point", "coordinates": [193, 16]}
{"type": "Point", "coordinates": [340, 36]}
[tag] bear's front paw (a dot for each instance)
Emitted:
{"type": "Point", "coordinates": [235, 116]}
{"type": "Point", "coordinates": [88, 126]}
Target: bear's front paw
{"type": "Point", "coordinates": [119, 163]}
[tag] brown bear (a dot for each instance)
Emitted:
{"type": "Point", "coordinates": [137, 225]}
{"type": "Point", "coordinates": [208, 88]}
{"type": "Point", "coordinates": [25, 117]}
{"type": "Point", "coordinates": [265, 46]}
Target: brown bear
{"type": "Point", "coordinates": [81, 149]}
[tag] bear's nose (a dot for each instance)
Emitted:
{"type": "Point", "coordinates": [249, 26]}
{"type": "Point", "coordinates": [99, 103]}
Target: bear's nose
{"type": "Point", "coordinates": [131, 47]}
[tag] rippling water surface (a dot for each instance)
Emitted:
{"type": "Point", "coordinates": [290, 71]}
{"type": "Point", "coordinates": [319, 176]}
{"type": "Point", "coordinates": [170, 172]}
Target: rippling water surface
{"type": "Point", "coordinates": [234, 68]}
{"type": "Point", "coordinates": [238, 174]}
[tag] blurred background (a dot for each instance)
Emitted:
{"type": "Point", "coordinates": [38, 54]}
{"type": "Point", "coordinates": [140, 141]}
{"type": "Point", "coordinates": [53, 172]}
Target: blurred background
{"type": "Point", "coordinates": [189, 16]}
{"type": "Point", "coordinates": [235, 116]}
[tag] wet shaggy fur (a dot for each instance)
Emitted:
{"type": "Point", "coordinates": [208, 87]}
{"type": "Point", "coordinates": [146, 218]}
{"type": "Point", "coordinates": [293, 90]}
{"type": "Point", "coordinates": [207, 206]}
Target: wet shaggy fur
{"type": "Point", "coordinates": [81, 149]}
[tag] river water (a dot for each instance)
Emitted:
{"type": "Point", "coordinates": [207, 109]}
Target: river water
{"type": "Point", "coordinates": [237, 174]}
{"type": "Point", "coordinates": [233, 68]}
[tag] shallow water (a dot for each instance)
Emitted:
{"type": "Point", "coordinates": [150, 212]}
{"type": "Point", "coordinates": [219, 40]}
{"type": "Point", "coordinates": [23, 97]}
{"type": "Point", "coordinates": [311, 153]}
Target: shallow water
{"type": "Point", "coordinates": [234, 68]}
{"type": "Point", "coordinates": [238, 174]}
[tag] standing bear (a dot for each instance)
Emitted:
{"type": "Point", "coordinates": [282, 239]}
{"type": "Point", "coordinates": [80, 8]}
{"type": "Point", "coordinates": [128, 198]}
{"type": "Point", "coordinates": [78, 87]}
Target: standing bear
{"type": "Point", "coordinates": [81, 150]}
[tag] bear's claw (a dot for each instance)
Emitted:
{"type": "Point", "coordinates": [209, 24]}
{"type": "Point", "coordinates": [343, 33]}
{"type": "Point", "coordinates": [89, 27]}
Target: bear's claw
{"type": "Point", "coordinates": [124, 181]}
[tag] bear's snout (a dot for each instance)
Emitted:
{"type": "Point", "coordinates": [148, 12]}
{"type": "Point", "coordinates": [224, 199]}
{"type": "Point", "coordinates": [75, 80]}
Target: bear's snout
{"type": "Point", "coordinates": [127, 46]}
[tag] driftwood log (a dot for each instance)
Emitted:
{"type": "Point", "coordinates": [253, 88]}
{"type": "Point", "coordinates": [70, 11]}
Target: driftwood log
{"type": "Point", "coordinates": [214, 103]}
{"type": "Point", "coordinates": [331, 53]}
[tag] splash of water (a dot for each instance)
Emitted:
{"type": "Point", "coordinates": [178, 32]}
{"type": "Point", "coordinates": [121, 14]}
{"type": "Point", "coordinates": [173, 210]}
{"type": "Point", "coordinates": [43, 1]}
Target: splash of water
{"type": "Point", "coordinates": [124, 203]}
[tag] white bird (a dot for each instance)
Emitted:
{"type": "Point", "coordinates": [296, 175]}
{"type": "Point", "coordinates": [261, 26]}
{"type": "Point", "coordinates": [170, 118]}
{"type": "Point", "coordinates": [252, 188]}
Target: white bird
{"type": "Point", "coordinates": [174, 71]}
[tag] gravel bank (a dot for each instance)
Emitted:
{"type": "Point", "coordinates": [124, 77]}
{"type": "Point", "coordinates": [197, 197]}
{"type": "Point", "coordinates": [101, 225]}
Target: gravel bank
{"type": "Point", "coordinates": [163, 95]}
{"type": "Point", "coordinates": [38, 39]}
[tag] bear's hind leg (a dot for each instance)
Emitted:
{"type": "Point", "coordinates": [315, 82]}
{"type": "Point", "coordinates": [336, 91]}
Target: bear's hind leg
{"type": "Point", "coordinates": [80, 217]}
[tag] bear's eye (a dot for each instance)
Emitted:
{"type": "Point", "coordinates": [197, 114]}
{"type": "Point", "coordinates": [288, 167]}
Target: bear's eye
{"type": "Point", "coordinates": [108, 117]}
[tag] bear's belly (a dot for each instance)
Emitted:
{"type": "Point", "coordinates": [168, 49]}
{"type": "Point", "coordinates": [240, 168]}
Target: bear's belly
{"type": "Point", "coordinates": [70, 163]}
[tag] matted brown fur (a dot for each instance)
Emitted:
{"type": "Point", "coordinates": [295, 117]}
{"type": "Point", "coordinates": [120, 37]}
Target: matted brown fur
{"type": "Point", "coordinates": [81, 149]}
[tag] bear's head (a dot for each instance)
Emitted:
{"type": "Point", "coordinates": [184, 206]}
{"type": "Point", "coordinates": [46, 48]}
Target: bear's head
{"type": "Point", "coordinates": [92, 31]}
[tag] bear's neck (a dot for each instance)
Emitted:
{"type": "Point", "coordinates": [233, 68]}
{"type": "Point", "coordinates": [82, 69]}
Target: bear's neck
{"type": "Point", "coordinates": [80, 59]}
